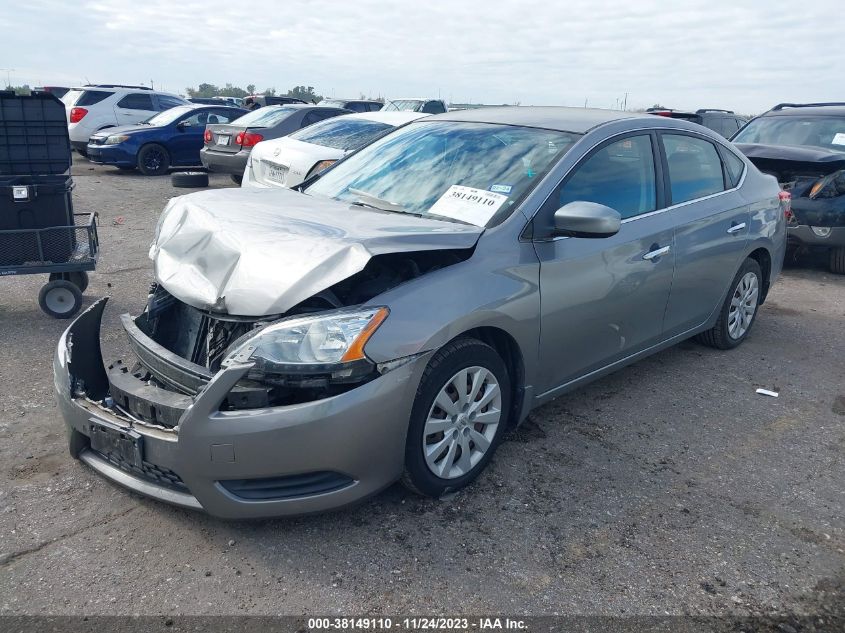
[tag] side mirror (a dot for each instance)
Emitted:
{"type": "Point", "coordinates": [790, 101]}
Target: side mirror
{"type": "Point", "coordinates": [183, 125]}
{"type": "Point", "coordinates": [587, 219]}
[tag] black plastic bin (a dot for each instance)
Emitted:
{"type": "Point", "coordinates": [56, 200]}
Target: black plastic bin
{"type": "Point", "coordinates": [35, 185]}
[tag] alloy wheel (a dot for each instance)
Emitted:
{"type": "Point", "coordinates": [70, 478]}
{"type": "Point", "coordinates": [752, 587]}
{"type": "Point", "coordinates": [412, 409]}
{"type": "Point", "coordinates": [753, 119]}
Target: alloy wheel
{"type": "Point", "coordinates": [743, 305]}
{"type": "Point", "coordinates": [462, 422]}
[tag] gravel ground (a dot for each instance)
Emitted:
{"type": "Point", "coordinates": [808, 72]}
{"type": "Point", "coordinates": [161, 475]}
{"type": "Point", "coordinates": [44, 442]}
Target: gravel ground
{"type": "Point", "coordinates": [669, 487]}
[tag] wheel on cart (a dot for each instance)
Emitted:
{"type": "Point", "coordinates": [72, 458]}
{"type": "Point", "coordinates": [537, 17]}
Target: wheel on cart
{"type": "Point", "coordinates": [60, 298]}
{"type": "Point", "coordinates": [77, 278]}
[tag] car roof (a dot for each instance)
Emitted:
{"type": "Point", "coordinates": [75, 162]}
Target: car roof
{"type": "Point", "coordinates": [394, 118]}
{"type": "Point", "coordinates": [809, 110]}
{"type": "Point", "coordinates": [577, 120]}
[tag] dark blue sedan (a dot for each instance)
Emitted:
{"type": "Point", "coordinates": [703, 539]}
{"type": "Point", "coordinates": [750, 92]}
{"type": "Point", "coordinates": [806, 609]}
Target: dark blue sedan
{"type": "Point", "coordinates": [172, 138]}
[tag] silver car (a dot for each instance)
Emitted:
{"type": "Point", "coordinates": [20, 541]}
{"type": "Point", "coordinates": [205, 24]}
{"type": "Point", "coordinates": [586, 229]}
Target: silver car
{"type": "Point", "coordinates": [395, 315]}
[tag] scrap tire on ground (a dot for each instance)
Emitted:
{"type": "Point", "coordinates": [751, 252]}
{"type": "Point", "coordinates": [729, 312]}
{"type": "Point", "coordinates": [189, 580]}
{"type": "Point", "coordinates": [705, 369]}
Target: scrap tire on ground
{"type": "Point", "coordinates": [719, 335]}
{"type": "Point", "coordinates": [837, 260]}
{"type": "Point", "coordinates": [60, 299]}
{"type": "Point", "coordinates": [236, 179]}
{"type": "Point", "coordinates": [189, 179]}
{"type": "Point", "coordinates": [460, 354]}
{"type": "Point", "coordinates": [78, 279]}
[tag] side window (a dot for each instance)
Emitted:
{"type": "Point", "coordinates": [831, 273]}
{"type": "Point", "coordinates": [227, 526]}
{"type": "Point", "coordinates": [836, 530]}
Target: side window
{"type": "Point", "coordinates": [318, 115]}
{"type": "Point", "coordinates": [375, 107]}
{"type": "Point", "coordinates": [219, 116]}
{"type": "Point", "coordinates": [137, 101]}
{"type": "Point", "coordinates": [166, 102]}
{"type": "Point", "coordinates": [356, 106]}
{"type": "Point", "coordinates": [433, 107]}
{"type": "Point", "coordinates": [734, 165]}
{"type": "Point", "coordinates": [619, 175]}
{"type": "Point", "coordinates": [90, 97]}
{"type": "Point", "coordinates": [695, 169]}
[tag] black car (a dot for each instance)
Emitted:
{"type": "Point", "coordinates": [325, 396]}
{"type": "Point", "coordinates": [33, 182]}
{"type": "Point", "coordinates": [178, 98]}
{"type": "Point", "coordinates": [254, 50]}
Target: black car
{"type": "Point", "coordinates": [724, 122]}
{"type": "Point", "coordinates": [803, 146]}
{"type": "Point", "coordinates": [227, 146]}
{"type": "Point", "coordinates": [261, 101]}
{"type": "Point", "coordinates": [356, 105]}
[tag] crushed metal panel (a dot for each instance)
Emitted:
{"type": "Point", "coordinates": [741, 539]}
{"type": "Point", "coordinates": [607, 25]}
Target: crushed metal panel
{"type": "Point", "coordinates": [256, 252]}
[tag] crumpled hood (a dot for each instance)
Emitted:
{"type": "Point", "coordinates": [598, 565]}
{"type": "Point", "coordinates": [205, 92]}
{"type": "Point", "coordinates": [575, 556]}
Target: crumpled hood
{"type": "Point", "coordinates": [257, 252]}
{"type": "Point", "coordinates": [794, 159]}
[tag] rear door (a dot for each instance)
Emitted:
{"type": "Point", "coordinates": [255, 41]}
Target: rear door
{"type": "Point", "coordinates": [604, 299]}
{"type": "Point", "coordinates": [712, 221]}
{"type": "Point", "coordinates": [134, 107]}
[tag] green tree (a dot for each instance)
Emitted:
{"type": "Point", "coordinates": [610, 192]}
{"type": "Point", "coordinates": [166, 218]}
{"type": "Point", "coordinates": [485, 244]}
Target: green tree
{"type": "Point", "coordinates": [307, 94]}
{"type": "Point", "coordinates": [250, 89]}
{"type": "Point", "coordinates": [232, 91]}
{"type": "Point", "coordinates": [203, 90]}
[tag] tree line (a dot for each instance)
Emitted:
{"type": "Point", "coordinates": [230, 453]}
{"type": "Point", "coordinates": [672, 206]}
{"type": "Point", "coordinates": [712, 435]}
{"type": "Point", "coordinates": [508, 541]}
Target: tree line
{"type": "Point", "coordinates": [306, 93]}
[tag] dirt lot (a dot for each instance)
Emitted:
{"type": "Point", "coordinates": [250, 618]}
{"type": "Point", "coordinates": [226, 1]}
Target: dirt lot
{"type": "Point", "coordinates": [669, 487]}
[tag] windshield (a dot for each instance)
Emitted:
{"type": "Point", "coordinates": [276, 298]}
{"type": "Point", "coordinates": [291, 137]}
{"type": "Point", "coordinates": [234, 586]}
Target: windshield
{"type": "Point", "coordinates": [169, 116]}
{"type": "Point", "coordinates": [267, 116]}
{"type": "Point", "coordinates": [406, 105]}
{"type": "Point", "coordinates": [342, 133]}
{"type": "Point", "coordinates": [468, 172]}
{"type": "Point", "coordinates": [827, 132]}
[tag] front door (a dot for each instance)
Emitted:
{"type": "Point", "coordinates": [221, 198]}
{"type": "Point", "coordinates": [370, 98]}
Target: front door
{"type": "Point", "coordinates": [604, 299]}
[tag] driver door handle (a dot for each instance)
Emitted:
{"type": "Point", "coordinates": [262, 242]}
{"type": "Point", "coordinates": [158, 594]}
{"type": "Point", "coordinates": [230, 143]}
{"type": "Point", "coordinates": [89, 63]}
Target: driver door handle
{"type": "Point", "coordinates": [736, 228]}
{"type": "Point", "coordinates": [657, 253]}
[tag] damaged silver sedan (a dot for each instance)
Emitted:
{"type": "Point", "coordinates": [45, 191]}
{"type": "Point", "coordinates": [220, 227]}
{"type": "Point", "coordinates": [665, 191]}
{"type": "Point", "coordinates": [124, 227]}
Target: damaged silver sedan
{"type": "Point", "coordinates": [392, 317]}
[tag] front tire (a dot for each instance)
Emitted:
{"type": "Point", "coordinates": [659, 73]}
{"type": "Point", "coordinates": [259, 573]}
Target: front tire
{"type": "Point", "coordinates": [739, 311]}
{"type": "Point", "coordinates": [153, 160]}
{"type": "Point", "coordinates": [837, 260]}
{"type": "Point", "coordinates": [458, 419]}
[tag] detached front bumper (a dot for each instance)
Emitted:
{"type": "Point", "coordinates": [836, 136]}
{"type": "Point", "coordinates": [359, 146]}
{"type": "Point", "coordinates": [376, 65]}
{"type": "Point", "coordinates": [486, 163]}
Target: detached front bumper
{"type": "Point", "coordinates": [287, 460]}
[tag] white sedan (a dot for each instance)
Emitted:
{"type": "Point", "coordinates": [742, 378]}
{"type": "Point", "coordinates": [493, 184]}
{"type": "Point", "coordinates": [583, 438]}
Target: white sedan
{"type": "Point", "coordinates": [287, 161]}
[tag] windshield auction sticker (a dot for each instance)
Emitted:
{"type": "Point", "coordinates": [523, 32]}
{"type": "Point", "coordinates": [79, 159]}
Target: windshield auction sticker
{"type": "Point", "coordinates": [468, 204]}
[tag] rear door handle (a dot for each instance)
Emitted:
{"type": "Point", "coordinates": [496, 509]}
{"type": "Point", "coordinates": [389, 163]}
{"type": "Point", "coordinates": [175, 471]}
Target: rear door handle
{"type": "Point", "coordinates": [736, 228]}
{"type": "Point", "coordinates": [656, 253]}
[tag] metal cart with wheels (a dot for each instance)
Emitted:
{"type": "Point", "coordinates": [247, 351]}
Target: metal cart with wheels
{"type": "Point", "coordinates": [39, 231]}
{"type": "Point", "coordinates": [26, 252]}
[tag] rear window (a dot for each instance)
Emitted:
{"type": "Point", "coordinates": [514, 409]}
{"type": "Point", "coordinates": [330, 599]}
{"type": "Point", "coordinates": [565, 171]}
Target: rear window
{"type": "Point", "coordinates": [265, 117]}
{"type": "Point", "coordinates": [90, 97]}
{"type": "Point", "coordinates": [342, 133]}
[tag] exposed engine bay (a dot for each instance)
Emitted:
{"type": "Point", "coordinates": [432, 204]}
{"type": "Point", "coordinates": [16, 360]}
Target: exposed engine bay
{"type": "Point", "coordinates": [181, 347]}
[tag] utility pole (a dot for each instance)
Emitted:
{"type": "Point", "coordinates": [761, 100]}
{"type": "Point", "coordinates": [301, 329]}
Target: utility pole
{"type": "Point", "coordinates": [625, 104]}
{"type": "Point", "coordinates": [9, 72]}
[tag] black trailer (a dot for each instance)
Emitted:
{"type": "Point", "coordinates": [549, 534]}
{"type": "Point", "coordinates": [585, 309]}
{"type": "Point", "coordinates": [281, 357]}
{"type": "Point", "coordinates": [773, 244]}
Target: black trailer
{"type": "Point", "coordinates": [39, 231]}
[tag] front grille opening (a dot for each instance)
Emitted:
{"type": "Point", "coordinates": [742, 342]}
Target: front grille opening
{"type": "Point", "coordinates": [157, 475]}
{"type": "Point", "coordinates": [287, 487]}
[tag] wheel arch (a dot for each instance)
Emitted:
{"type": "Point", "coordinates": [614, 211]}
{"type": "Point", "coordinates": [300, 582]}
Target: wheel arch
{"type": "Point", "coordinates": [764, 258]}
{"type": "Point", "coordinates": [510, 352]}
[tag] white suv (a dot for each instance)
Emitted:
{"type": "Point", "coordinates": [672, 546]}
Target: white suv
{"type": "Point", "coordinates": [95, 107]}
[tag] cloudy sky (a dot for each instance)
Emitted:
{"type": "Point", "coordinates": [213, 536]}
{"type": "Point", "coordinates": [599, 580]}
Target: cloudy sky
{"type": "Point", "coordinates": [742, 55]}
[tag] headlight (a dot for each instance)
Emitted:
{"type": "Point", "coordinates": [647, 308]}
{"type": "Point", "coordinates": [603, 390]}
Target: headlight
{"type": "Point", "coordinates": [114, 139]}
{"type": "Point", "coordinates": [831, 186]}
{"type": "Point", "coordinates": [323, 343]}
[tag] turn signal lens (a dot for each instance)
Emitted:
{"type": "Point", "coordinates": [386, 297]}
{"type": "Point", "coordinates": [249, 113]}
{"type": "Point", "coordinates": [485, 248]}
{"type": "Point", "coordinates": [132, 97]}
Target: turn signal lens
{"type": "Point", "coordinates": [207, 136]}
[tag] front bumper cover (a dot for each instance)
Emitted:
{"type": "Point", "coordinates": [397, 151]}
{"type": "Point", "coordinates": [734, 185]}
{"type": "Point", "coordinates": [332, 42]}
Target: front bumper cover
{"type": "Point", "coordinates": [358, 435]}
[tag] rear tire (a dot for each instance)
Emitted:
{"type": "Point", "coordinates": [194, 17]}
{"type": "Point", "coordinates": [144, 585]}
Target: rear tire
{"type": "Point", "coordinates": [837, 260]}
{"type": "Point", "coordinates": [153, 160]}
{"type": "Point", "coordinates": [189, 179]}
{"type": "Point", "coordinates": [60, 299]}
{"type": "Point", "coordinates": [447, 448]}
{"type": "Point", "coordinates": [739, 310]}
